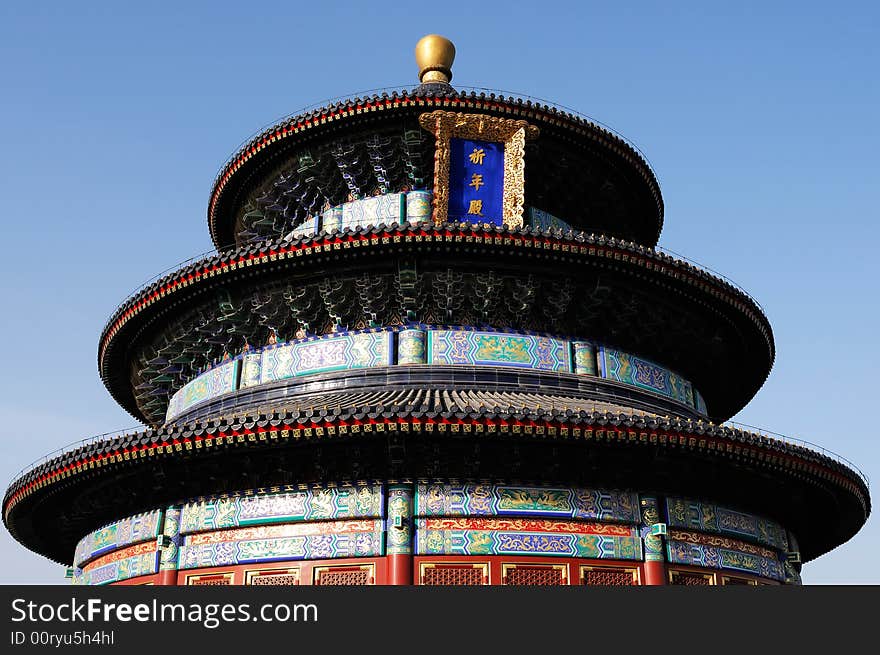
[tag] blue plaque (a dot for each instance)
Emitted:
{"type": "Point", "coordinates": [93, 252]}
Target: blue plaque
{"type": "Point", "coordinates": [476, 181]}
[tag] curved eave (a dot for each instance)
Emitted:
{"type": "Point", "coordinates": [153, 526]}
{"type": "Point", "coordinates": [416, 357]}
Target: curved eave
{"type": "Point", "coordinates": [272, 257]}
{"type": "Point", "coordinates": [348, 114]}
{"type": "Point", "coordinates": [49, 508]}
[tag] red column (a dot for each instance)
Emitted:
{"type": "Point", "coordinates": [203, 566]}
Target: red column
{"type": "Point", "coordinates": [398, 529]}
{"type": "Point", "coordinates": [167, 578]}
{"type": "Point", "coordinates": [400, 569]}
{"type": "Point", "coordinates": [655, 556]}
{"type": "Point", "coordinates": [655, 572]}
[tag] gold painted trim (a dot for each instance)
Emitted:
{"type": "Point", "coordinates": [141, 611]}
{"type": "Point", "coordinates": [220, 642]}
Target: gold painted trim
{"type": "Point", "coordinates": [633, 571]}
{"type": "Point", "coordinates": [507, 568]}
{"type": "Point", "coordinates": [482, 566]}
{"type": "Point", "coordinates": [370, 568]}
{"type": "Point", "coordinates": [674, 573]}
{"type": "Point", "coordinates": [751, 582]}
{"type": "Point", "coordinates": [195, 577]}
{"type": "Point", "coordinates": [256, 573]}
{"type": "Point", "coordinates": [446, 125]}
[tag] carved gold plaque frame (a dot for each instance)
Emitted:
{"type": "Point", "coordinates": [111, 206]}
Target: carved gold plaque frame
{"type": "Point", "coordinates": [507, 568]}
{"type": "Point", "coordinates": [446, 125]}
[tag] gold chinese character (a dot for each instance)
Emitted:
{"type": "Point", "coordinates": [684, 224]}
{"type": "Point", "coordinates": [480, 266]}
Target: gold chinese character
{"type": "Point", "coordinates": [476, 207]}
{"type": "Point", "coordinates": [477, 181]}
{"type": "Point", "coordinates": [477, 156]}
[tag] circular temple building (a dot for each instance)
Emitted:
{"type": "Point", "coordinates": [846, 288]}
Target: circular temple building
{"type": "Point", "coordinates": [436, 346]}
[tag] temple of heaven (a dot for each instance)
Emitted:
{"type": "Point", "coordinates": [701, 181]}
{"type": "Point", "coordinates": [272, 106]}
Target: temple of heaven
{"type": "Point", "coordinates": [436, 345]}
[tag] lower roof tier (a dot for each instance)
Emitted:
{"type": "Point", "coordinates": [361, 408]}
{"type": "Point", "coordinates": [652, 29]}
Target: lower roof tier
{"type": "Point", "coordinates": [518, 437]}
{"type": "Point", "coordinates": [570, 285]}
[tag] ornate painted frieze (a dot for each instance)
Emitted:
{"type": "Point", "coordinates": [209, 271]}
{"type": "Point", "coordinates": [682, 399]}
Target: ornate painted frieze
{"type": "Point", "coordinates": [474, 536]}
{"type": "Point", "coordinates": [308, 227]}
{"type": "Point", "coordinates": [541, 220]}
{"type": "Point", "coordinates": [399, 523]}
{"type": "Point", "coordinates": [219, 380]}
{"type": "Point", "coordinates": [721, 553]}
{"type": "Point", "coordinates": [336, 353]}
{"type": "Point", "coordinates": [584, 358]}
{"type": "Point", "coordinates": [171, 530]}
{"type": "Point", "coordinates": [411, 347]}
{"type": "Point", "coordinates": [130, 562]}
{"type": "Point", "coordinates": [387, 209]}
{"type": "Point", "coordinates": [419, 206]}
{"type": "Point", "coordinates": [707, 517]}
{"type": "Point", "coordinates": [131, 530]}
{"type": "Point", "coordinates": [304, 505]}
{"type": "Point", "coordinates": [250, 370]}
{"type": "Point", "coordinates": [498, 349]}
{"type": "Point", "coordinates": [792, 575]}
{"type": "Point", "coordinates": [423, 344]}
{"type": "Point", "coordinates": [699, 403]}
{"type": "Point", "coordinates": [331, 220]}
{"type": "Point", "coordinates": [506, 500]}
{"type": "Point", "coordinates": [650, 515]}
{"type": "Point", "coordinates": [291, 541]}
{"type": "Point", "coordinates": [629, 369]}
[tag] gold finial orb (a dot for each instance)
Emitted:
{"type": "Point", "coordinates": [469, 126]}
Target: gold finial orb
{"type": "Point", "coordinates": [434, 57]}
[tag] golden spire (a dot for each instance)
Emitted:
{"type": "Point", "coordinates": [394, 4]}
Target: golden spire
{"type": "Point", "coordinates": [434, 57]}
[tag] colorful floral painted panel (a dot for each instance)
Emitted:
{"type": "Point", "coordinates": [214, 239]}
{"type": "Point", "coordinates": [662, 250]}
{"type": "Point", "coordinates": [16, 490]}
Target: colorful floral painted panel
{"type": "Point", "coordinates": [337, 353]}
{"type": "Point", "coordinates": [706, 517]}
{"type": "Point", "coordinates": [419, 206]}
{"type": "Point", "coordinates": [210, 384]}
{"type": "Point", "coordinates": [506, 500]}
{"type": "Point", "coordinates": [541, 220]}
{"type": "Point", "coordinates": [475, 536]}
{"type": "Point", "coordinates": [699, 403]}
{"type": "Point", "coordinates": [629, 369]}
{"type": "Point", "coordinates": [307, 228]}
{"type": "Point", "coordinates": [250, 370]}
{"type": "Point", "coordinates": [498, 349]}
{"type": "Point", "coordinates": [131, 530]}
{"type": "Point", "coordinates": [389, 209]}
{"type": "Point", "coordinates": [358, 538]}
{"type": "Point", "coordinates": [411, 348]}
{"type": "Point", "coordinates": [693, 549]}
{"type": "Point", "coordinates": [130, 562]}
{"type": "Point", "coordinates": [584, 358]}
{"type": "Point", "coordinates": [331, 220]}
{"type": "Point", "coordinates": [305, 505]}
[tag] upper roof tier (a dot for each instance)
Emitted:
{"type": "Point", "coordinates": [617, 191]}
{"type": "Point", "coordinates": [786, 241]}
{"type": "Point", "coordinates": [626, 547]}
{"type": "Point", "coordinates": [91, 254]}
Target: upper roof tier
{"type": "Point", "coordinates": [576, 170]}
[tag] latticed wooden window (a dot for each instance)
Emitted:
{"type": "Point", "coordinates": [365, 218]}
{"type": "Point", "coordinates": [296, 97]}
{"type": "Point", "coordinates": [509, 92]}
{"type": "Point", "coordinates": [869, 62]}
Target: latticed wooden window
{"type": "Point", "coordinates": [739, 581]}
{"type": "Point", "coordinates": [608, 577]}
{"type": "Point", "coordinates": [288, 577]}
{"type": "Point", "coordinates": [686, 579]}
{"type": "Point", "coordinates": [454, 574]}
{"type": "Point", "coordinates": [535, 575]}
{"type": "Point", "coordinates": [344, 576]}
{"type": "Point", "coordinates": [210, 580]}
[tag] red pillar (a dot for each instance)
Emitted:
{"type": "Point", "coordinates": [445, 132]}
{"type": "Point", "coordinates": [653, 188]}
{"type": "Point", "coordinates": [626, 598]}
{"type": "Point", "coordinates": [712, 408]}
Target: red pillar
{"type": "Point", "coordinates": [655, 555]}
{"type": "Point", "coordinates": [655, 572]}
{"type": "Point", "coordinates": [400, 569]}
{"type": "Point", "coordinates": [398, 528]}
{"type": "Point", "coordinates": [167, 578]}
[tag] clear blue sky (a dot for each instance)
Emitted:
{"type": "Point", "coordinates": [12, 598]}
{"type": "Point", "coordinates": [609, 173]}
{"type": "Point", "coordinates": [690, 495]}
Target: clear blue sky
{"type": "Point", "coordinates": [760, 120]}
